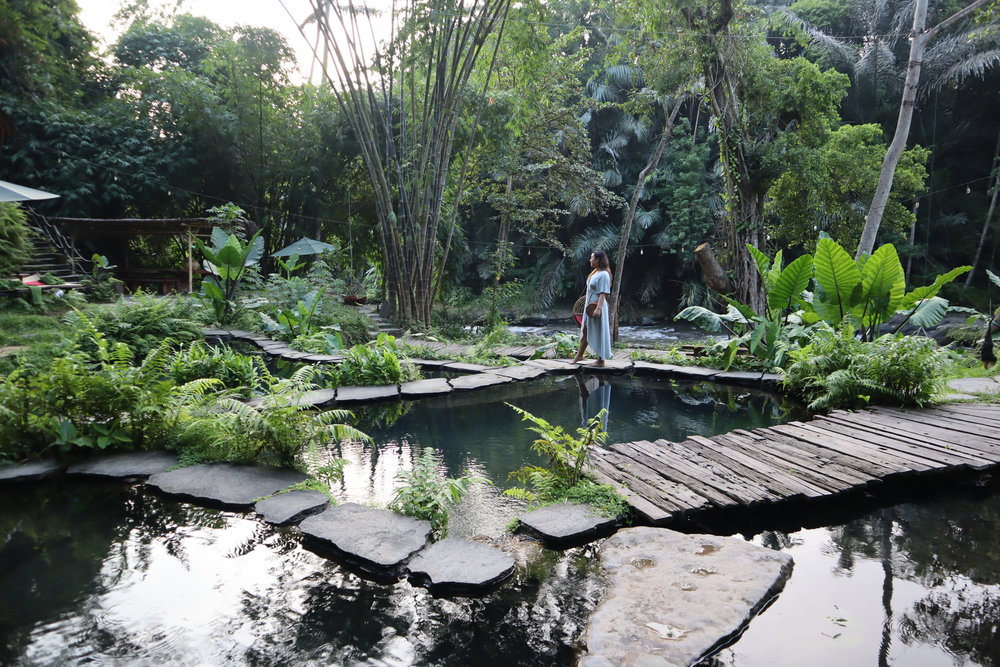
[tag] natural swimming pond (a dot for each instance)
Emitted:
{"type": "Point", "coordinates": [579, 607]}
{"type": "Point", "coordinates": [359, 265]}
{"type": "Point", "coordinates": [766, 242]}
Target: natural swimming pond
{"type": "Point", "coordinates": [96, 572]}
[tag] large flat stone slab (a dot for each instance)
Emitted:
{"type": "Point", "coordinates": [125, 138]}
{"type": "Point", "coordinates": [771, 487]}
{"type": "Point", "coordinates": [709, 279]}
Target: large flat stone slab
{"type": "Point", "coordinates": [29, 472]}
{"type": "Point", "coordinates": [457, 566]}
{"type": "Point", "coordinates": [478, 381]}
{"type": "Point", "coordinates": [650, 368]}
{"type": "Point", "coordinates": [465, 367]}
{"type": "Point", "coordinates": [566, 524]}
{"type": "Point", "coordinates": [376, 540]}
{"type": "Point", "coordinates": [421, 388]}
{"type": "Point", "coordinates": [311, 398]}
{"type": "Point", "coordinates": [554, 365]}
{"type": "Point", "coordinates": [672, 598]}
{"type": "Point", "coordinates": [975, 385]}
{"type": "Point", "coordinates": [131, 465]}
{"type": "Point", "coordinates": [365, 394]}
{"type": "Point", "coordinates": [291, 507]}
{"type": "Point", "coordinates": [520, 372]}
{"type": "Point", "coordinates": [225, 484]}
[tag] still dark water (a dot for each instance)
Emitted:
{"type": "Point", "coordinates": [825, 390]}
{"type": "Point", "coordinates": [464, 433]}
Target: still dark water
{"type": "Point", "coordinates": [109, 574]}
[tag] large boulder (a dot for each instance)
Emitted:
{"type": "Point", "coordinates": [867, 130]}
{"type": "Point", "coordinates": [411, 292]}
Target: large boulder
{"type": "Point", "coordinates": [672, 598]}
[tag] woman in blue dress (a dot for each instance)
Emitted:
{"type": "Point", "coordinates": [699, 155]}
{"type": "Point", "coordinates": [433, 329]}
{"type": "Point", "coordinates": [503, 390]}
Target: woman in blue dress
{"type": "Point", "coordinates": [596, 331]}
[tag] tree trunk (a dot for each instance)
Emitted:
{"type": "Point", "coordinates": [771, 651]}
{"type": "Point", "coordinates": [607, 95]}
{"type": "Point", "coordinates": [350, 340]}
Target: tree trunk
{"type": "Point", "coordinates": [920, 38]}
{"type": "Point", "coordinates": [640, 185]}
{"type": "Point", "coordinates": [995, 167]}
{"type": "Point", "coordinates": [714, 275]}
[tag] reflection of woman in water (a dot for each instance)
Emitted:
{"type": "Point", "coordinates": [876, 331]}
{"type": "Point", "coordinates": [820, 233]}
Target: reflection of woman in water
{"type": "Point", "coordinates": [595, 395]}
{"type": "Point", "coordinates": [596, 331]}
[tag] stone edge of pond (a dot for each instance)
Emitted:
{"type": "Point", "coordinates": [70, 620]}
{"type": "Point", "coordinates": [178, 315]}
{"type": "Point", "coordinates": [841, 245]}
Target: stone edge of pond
{"type": "Point", "coordinates": [527, 370]}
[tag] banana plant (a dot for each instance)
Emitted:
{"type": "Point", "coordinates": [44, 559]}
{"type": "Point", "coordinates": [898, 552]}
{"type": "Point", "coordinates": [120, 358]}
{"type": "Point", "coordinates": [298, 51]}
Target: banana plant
{"type": "Point", "coordinates": [870, 291]}
{"type": "Point", "coordinates": [227, 260]}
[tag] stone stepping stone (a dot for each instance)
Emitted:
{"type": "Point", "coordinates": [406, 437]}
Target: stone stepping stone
{"type": "Point", "coordinates": [365, 394]}
{"type": "Point", "coordinates": [974, 385]}
{"type": "Point", "coordinates": [566, 524]}
{"type": "Point", "coordinates": [479, 381]}
{"type": "Point", "coordinates": [420, 388]}
{"type": "Point", "coordinates": [324, 358]}
{"type": "Point", "coordinates": [520, 372]}
{"type": "Point", "coordinates": [458, 566]}
{"type": "Point", "coordinates": [225, 484]}
{"type": "Point", "coordinates": [29, 472]}
{"type": "Point", "coordinates": [466, 367]}
{"type": "Point", "coordinates": [313, 398]}
{"type": "Point", "coordinates": [554, 365]}
{"type": "Point", "coordinates": [739, 377]}
{"type": "Point", "coordinates": [698, 372]}
{"type": "Point", "coordinates": [291, 507]}
{"type": "Point", "coordinates": [212, 332]}
{"type": "Point", "coordinates": [130, 465]}
{"type": "Point", "coordinates": [671, 598]}
{"type": "Point", "coordinates": [649, 368]}
{"type": "Point", "coordinates": [294, 355]}
{"type": "Point", "coordinates": [610, 366]}
{"type": "Point", "coordinates": [377, 541]}
{"type": "Point", "coordinates": [454, 349]}
{"type": "Point", "coordinates": [430, 363]}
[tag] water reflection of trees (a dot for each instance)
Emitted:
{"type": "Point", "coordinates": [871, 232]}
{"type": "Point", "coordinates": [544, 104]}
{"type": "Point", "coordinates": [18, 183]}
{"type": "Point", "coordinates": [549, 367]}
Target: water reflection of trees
{"type": "Point", "coordinates": [948, 546]}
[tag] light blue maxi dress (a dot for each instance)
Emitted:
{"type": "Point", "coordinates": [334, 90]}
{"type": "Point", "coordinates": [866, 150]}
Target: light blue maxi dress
{"type": "Point", "coordinates": [598, 328]}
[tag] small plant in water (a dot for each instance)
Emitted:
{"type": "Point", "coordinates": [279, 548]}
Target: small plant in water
{"type": "Point", "coordinates": [425, 493]}
{"type": "Point", "coordinates": [562, 480]}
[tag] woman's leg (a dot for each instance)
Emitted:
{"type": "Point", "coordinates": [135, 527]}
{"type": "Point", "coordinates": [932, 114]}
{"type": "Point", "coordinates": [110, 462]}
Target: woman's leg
{"type": "Point", "coordinates": [583, 344]}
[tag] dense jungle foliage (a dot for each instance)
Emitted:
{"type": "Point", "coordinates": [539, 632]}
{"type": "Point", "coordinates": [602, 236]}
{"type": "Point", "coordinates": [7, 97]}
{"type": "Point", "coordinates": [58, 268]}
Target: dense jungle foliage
{"type": "Point", "coordinates": [556, 134]}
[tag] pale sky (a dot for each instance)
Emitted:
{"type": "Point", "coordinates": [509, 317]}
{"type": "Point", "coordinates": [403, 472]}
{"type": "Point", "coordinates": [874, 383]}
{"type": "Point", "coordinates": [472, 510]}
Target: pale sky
{"type": "Point", "coordinates": [98, 16]}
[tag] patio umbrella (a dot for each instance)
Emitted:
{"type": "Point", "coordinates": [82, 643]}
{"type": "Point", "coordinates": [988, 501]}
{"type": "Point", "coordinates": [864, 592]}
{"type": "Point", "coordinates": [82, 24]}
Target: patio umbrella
{"type": "Point", "coordinates": [304, 247]}
{"type": "Point", "coordinates": [11, 192]}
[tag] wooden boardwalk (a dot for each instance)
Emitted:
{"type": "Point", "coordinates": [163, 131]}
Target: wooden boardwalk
{"type": "Point", "coordinates": [826, 456]}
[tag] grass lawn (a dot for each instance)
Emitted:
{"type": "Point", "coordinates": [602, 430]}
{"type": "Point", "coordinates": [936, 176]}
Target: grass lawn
{"type": "Point", "coordinates": [31, 338]}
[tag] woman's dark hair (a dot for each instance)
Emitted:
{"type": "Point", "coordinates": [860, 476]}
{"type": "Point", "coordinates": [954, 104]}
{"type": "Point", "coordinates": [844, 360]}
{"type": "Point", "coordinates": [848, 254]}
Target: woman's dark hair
{"type": "Point", "coordinates": [602, 260]}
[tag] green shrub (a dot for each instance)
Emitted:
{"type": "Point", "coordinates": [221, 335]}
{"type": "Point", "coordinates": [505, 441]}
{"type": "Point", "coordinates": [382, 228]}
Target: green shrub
{"type": "Point", "coordinates": [425, 493]}
{"type": "Point", "coordinates": [561, 479]}
{"type": "Point", "coordinates": [15, 238]}
{"type": "Point", "coordinates": [232, 369]}
{"type": "Point", "coordinates": [376, 363]}
{"type": "Point", "coordinates": [276, 430]}
{"type": "Point", "coordinates": [836, 370]}
{"type": "Point", "coordinates": [142, 322]}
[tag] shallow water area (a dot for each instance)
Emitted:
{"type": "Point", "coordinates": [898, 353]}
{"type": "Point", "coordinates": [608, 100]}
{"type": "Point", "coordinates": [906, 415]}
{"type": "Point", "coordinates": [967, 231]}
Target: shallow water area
{"type": "Point", "coordinates": [916, 583]}
{"type": "Point", "coordinates": [477, 434]}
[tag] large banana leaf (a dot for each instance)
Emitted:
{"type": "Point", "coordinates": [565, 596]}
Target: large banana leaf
{"type": "Point", "coordinates": [883, 283]}
{"type": "Point", "coordinates": [839, 280]}
{"type": "Point", "coordinates": [929, 312]}
{"type": "Point", "coordinates": [701, 317]}
{"type": "Point", "coordinates": [762, 261]}
{"type": "Point", "coordinates": [786, 289]}
{"type": "Point", "coordinates": [919, 294]}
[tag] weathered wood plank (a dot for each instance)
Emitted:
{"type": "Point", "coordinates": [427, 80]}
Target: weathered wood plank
{"type": "Point", "coordinates": [697, 493]}
{"type": "Point", "coordinates": [925, 435]}
{"type": "Point", "coordinates": [727, 468]}
{"type": "Point", "coordinates": [826, 465]}
{"type": "Point", "coordinates": [843, 452]}
{"type": "Point", "coordinates": [905, 460]}
{"type": "Point", "coordinates": [700, 471]}
{"type": "Point", "coordinates": [662, 491]}
{"type": "Point", "coordinates": [606, 473]}
{"type": "Point", "coordinates": [790, 465]}
{"type": "Point", "coordinates": [942, 428]}
{"type": "Point", "coordinates": [942, 457]}
{"type": "Point", "coordinates": [961, 423]}
{"type": "Point", "coordinates": [773, 478]}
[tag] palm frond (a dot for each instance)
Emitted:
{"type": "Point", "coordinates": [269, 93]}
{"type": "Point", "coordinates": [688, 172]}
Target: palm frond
{"type": "Point", "coordinates": [976, 65]}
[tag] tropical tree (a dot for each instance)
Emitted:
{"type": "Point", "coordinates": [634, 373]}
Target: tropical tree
{"type": "Point", "coordinates": [402, 99]}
